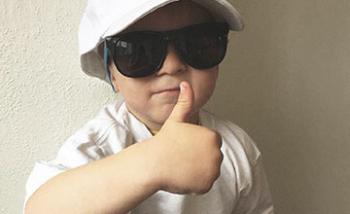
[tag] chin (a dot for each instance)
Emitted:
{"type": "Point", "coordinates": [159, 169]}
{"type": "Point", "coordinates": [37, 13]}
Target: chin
{"type": "Point", "coordinates": [162, 115]}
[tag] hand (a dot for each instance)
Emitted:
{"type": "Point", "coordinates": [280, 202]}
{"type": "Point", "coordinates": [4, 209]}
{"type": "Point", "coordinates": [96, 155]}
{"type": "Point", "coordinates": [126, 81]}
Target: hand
{"type": "Point", "coordinates": [188, 156]}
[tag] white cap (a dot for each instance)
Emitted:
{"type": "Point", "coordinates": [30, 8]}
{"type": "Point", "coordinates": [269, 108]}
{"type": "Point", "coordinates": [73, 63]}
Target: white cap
{"type": "Point", "coordinates": [103, 18]}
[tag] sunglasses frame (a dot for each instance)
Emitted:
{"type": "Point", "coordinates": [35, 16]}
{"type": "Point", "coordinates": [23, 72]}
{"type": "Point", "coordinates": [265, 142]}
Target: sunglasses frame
{"type": "Point", "coordinates": [176, 36]}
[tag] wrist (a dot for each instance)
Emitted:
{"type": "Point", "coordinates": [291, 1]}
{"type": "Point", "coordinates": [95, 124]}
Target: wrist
{"type": "Point", "coordinates": [150, 167]}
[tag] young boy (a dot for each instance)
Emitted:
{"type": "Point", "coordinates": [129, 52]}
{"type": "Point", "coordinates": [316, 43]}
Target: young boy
{"type": "Point", "coordinates": [156, 151]}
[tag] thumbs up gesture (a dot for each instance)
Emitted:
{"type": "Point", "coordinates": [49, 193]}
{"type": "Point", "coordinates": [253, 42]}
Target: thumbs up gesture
{"type": "Point", "coordinates": [188, 156]}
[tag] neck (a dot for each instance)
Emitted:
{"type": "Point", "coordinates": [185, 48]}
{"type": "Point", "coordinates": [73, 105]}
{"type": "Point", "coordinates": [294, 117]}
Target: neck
{"type": "Point", "coordinates": [154, 127]}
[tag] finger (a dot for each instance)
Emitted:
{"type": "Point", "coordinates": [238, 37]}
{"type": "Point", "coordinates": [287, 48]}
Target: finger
{"type": "Point", "coordinates": [182, 110]}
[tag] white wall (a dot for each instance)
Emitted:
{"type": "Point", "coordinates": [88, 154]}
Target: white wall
{"type": "Point", "coordinates": [286, 81]}
{"type": "Point", "coordinates": [44, 97]}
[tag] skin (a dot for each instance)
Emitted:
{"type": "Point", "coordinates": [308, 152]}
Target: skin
{"type": "Point", "coordinates": [140, 93]}
{"type": "Point", "coordinates": [183, 164]}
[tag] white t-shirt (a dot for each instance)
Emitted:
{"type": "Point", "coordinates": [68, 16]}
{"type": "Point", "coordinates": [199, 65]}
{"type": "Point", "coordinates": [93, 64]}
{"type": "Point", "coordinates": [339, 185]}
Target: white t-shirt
{"type": "Point", "coordinates": [241, 188]}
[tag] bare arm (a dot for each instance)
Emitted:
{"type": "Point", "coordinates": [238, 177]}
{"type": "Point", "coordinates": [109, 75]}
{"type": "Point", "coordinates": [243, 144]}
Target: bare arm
{"type": "Point", "coordinates": [115, 184]}
{"type": "Point", "coordinates": [181, 158]}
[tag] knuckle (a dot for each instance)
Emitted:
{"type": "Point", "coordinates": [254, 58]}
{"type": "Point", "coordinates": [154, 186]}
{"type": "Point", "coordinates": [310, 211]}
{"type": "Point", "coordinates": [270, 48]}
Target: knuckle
{"type": "Point", "coordinates": [208, 180]}
{"type": "Point", "coordinates": [221, 156]}
{"type": "Point", "coordinates": [218, 138]}
{"type": "Point", "coordinates": [215, 137]}
{"type": "Point", "coordinates": [206, 188]}
{"type": "Point", "coordinates": [218, 157]}
{"type": "Point", "coordinates": [217, 173]}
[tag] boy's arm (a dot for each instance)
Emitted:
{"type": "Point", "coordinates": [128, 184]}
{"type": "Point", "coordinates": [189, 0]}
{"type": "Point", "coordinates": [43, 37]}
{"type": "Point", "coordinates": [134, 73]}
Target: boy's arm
{"type": "Point", "coordinates": [115, 184]}
{"type": "Point", "coordinates": [181, 158]}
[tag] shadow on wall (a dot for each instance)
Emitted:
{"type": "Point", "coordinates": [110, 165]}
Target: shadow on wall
{"type": "Point", "coordinates": [286, 82]}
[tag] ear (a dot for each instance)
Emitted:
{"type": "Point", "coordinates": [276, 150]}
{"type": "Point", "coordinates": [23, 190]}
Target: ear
{"type": "Point", "coordinates": [113, 79]}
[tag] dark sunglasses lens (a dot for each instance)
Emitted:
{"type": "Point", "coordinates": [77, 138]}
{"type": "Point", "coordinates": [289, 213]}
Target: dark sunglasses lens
{"type": "Point", "coordinates": [203, 50]}
{"type": "Point", "coordinates": [137, 55]}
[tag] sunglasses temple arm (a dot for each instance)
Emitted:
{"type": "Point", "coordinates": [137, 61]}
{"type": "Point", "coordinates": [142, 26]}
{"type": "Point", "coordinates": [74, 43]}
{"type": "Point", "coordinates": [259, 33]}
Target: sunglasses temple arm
{"type": "Point", "coordinates": [105, 64]}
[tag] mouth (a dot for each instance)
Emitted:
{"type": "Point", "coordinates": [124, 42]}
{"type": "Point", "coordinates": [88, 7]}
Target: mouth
{"type": "Point", "coordinates": [173, 90]}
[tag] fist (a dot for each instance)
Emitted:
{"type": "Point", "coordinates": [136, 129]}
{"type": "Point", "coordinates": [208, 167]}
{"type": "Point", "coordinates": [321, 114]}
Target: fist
{"type": "Point", "coordinates": [188, 156]}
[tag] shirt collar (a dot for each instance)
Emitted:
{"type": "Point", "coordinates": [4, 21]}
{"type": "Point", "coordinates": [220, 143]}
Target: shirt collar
{"type": "Point", "coordinates": [139, 130]}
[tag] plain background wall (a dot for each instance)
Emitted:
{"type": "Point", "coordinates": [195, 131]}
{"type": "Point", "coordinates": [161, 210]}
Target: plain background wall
{"type": "Point", "coordinates": [286, 81]}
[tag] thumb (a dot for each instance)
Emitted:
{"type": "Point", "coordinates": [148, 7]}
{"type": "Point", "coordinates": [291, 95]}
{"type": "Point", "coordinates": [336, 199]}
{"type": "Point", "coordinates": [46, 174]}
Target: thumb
{"type": "Point", "coordinates": [183, 107]}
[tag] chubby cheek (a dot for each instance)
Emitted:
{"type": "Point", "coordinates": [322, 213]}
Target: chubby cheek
{"type": "Point", "coordinates": [135, 92]}
{"type": "Point", "coordinates": [203, 84]}
{"type": "Point", "coordinates": [137, 101]}
{"type": "Point", "coordinates": [136, 98]}
{"type": "Point", "coordinates": [150, 110]}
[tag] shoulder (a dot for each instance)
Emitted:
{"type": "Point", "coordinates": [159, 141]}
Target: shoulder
{"type": "Point", "coordinates": [234, 137]}
{"type": "Point", "coordinates": [103, 135]}
{"type": "Point", "coordinates": [111, 116]}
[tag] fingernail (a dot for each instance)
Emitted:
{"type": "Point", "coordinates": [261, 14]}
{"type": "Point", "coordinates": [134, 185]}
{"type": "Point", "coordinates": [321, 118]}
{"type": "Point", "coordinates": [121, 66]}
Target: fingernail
{"type": "Point", "coordinates": [182, 86]}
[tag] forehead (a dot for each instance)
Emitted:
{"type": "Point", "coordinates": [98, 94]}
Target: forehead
{"type": "Point", "coordinates": [173, 16]}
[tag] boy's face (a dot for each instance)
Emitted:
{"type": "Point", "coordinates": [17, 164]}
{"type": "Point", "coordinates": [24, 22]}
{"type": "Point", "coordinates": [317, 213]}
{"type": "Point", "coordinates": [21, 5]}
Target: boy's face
{"type": "Point", "coordinates": [142, 95]}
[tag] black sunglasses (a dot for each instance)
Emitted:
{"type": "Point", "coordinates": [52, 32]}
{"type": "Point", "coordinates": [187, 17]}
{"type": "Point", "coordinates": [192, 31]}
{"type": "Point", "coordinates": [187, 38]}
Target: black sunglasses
{"type": "Point", "coordinates": [142, 53]}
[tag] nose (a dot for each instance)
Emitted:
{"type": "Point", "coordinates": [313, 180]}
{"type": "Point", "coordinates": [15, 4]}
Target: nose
{"type": "Point", "coordinates": [172, 62]}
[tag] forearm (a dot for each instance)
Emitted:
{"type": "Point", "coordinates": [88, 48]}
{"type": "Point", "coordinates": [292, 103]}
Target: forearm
{"type": "Point", "coordinates": [115, 184]}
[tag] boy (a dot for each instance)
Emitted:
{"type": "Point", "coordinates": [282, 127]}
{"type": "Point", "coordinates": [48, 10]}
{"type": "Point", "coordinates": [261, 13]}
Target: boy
{"type": "Point", "coordinates": [155, 152]}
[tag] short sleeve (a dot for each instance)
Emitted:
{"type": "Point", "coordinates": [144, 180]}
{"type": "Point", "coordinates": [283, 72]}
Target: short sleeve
{"type": "Point", "coordinates": [252, 194]}
{"type": "Point", "coordinates": [255, 198]}
{"type": "Point", "coordinates": [76, 151]}
{"type": "Point", "coordinates": [104, 135]}
{"type": "Point", "coordinates": [42, 172]}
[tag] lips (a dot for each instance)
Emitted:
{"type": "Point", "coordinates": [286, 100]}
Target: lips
{"type": "Point", "coordinates": [171, 89]}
